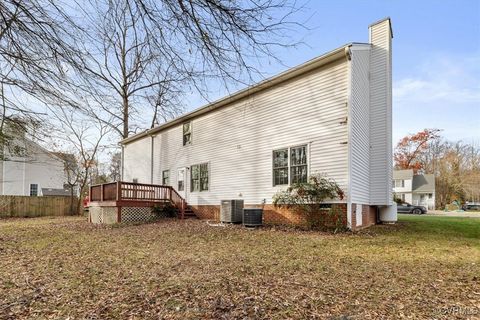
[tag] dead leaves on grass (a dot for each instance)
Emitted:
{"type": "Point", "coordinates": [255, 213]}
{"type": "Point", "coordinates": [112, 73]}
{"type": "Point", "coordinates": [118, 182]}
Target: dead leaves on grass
{"type": "Point", "coordinates": [186, 269]}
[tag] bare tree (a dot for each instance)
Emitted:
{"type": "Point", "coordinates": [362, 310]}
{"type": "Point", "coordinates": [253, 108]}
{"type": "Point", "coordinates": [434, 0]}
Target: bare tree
{"type": "Point", "coordinates": [144, 53]}
{"type": "Point", "coordinates": [114, 170]}
{"type": "Point", "coordinates": [80, 138]}
{"type": "Point", "coordinates": [37, 44]}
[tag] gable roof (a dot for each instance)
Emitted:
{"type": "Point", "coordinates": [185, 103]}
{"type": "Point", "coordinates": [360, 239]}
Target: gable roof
{"type": "Point", "coordinates": [341, 52]}
{"type": "Point", "coordinates": [402, 174]}
{"type": "Point", "coordinates": [423, 183]}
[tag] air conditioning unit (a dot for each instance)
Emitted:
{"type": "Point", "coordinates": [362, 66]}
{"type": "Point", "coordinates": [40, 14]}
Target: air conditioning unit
{"type": "Point", "coordinates": [252, 217]}
{"type": "Point", "coordinates": [231, 211]}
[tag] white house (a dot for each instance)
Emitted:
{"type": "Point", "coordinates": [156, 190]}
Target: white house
{"type": "Point", "coordinates": [30, 169]}
{"type": "Point", "coordinates": [331, 115]}
{"type": "Point", "coordinates": [418, 189]}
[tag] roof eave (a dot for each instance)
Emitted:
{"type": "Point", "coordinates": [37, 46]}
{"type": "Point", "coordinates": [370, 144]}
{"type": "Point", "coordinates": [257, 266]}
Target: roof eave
{"type": "Point", "coordinates": [265, 84]}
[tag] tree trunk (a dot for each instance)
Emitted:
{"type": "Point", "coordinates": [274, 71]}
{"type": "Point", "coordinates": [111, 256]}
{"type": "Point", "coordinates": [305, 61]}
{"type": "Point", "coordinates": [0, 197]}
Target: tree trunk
{"type": "Point", "coordinates": [125, 116]}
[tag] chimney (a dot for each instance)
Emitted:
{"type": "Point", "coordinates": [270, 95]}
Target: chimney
{"type": "Point", "coordinates": [380, 37]}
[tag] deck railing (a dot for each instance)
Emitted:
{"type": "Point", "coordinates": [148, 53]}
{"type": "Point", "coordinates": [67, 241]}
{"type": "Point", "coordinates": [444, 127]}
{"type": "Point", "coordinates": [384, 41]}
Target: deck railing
{"type": "Point", "coordinates": [129, 191]}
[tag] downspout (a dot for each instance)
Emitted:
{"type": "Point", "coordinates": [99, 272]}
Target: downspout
{"type": "Point", "coordinates": [151, 159]}
{"type": "Point", "coordinates": [122, 162]}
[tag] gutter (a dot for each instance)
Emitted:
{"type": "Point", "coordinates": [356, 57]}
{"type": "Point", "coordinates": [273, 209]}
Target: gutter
{"type": "Point", "coordinates": [334, 55]}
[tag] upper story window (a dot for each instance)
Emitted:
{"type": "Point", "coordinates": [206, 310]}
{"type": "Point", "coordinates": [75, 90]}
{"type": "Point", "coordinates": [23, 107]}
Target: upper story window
{"type": "Point", "coordinates": [135, 180]}
{"type": "Point", "coordinates": [399, 183]}
{"type": "Point", "coordinates": [199, 177]}
{"type": "Point", "coordinates": [165, 177]}
{"type": "Point", "coordinates": [187, 133]}
{"type": "Point", "coordinates": [290, 165]}
{"type": "Point", "coordinates": [33, 190]}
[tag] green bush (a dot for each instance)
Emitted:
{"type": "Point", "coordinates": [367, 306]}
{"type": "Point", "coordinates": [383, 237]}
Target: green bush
{"type": "Point", "coordinates": [308, 199]}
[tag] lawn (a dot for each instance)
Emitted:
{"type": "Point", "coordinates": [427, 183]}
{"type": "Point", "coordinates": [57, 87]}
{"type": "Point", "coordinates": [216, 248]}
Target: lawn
{"type": "Point", "coordinates": [423, 267]}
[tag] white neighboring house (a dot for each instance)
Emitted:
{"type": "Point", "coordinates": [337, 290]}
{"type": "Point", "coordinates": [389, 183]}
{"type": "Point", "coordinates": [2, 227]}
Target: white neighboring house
{"type": "Point", "coordinates": [31, 170]}
{"type": "Point", "coordinates": [418, 190]}
{"type": "Point", "coordinates": [331, 115]}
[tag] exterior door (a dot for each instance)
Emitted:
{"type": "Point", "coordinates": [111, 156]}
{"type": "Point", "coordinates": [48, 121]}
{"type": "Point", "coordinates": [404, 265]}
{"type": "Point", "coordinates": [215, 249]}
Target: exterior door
{"type": "Point", "coordinates": [182, 182]}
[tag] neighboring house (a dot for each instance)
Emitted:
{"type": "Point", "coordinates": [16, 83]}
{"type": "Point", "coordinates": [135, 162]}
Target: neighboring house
{"type": "Point", "coordinates": [50, 192]}
{"type": "Point", "coordinates": [331, 115]}
{"type": "Point", "coordinates": [418, 190]}
{"type": "Point", "coordinates": [30, 170]}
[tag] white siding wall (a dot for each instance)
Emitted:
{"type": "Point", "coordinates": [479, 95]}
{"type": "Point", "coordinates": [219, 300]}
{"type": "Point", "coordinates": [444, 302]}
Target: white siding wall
{"type": "Point", "coordinates": [137, 161]}
{"type": "Point", "coordinates": [237, 141]}
{"type": "Point", "coordinates": [381, 114]}
{"type": "Point", "coordinates": [407, 186]}
{"type": "Point", "coordinates": [38, 167]}
{"type": "Point", "coordinates": [360, 126]}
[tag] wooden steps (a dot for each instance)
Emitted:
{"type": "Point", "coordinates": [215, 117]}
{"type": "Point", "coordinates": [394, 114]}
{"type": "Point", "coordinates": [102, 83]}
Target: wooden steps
{"type": "Point", "coordinates": [188, 214]}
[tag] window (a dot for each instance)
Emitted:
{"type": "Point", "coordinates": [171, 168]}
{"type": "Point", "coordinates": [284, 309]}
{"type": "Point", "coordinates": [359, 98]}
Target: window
{"type": "Point", "coordinates": [399, 183]}
{"type": "Point", "coordinates": [199, 177]}
{"type": "Point", "coordinates": [430, 195]}
{"type": "Point", "coordinates": [135, 180]}
{"type": "Point", "coordinates": [187, 133]}
{"type": "Point", "coordinates": [33, 190]}
{"type": "Point", "coordinates": [165, 177]}
{"type": "Point", "coordinates": [298, 164]}
{"type": "Point", "coordinates": [280, 167]}
{"type": "Point", "coordinates": [290, 160]}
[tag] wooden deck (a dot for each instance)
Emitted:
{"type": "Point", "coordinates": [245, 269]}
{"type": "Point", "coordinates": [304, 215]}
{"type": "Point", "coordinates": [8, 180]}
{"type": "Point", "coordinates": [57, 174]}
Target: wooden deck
{"type": "Point", "coordinates": [129, 194]}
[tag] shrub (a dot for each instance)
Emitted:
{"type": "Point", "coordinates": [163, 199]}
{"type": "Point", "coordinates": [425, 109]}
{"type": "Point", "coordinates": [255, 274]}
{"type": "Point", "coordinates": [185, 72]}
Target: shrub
{"type": "Point", "coordinates": [166, 211]}
{"type": "Point", "coordinates": [308, 199]}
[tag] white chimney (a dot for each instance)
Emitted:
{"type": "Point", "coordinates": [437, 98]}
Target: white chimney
{"type": "Point", "coordinates": [380, 37]}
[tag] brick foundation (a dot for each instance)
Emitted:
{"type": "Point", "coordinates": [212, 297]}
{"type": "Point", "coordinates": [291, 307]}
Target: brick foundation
{"type": "Point", "coordinates": [273, 215]}
{"type": "Point", "coordinates": [369, 216]}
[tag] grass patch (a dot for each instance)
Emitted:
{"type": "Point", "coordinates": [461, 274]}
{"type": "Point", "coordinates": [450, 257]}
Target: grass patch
{"type": "Point", "coordinates": [65, 267]}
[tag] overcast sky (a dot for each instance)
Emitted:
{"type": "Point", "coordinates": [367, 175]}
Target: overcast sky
{"type": "Point", "coordinates": [436, 58]}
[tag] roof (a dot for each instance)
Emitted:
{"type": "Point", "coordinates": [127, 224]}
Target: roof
{"type": "Point", "coordinates": [402, 174]}
{"type": "Point", "coordinates": [423, 183]}
{"type": "Point", "coordinates": [55, 192]}
{"type": "Point", "coordinates": [341, 52]}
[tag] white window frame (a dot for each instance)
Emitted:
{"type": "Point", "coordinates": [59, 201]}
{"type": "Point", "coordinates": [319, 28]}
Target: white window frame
{"type": "Point", "coordinates": [402, 184]}
{"type": "Point", "coordinates": [191, 133]}
{"type": "Point", "coordinates": [184, 179]}
{"type": "Point", "coordinates": [289, 175]}
{"type": "Point", "coordinates": [199, 178]}
{"type": "Point", "coordinates": [163, 177]}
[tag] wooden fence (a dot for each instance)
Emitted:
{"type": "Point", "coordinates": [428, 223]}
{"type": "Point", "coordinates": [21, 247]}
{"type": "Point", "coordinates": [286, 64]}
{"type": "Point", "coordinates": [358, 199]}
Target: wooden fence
{"type": "Point", "coordinates": [23, 206]}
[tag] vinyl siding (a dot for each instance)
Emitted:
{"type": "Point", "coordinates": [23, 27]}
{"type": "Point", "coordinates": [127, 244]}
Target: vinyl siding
{"type": "Point", "coordinates": [237, 140]}
{"type": "Point", "coordinates": [37, 167]}
{"type": "Point", "coordinates": [137, 161]}
{"type": "Point", "coordinates": [359, 126]}
{"type": "Point", "coordinates": [380, 114]}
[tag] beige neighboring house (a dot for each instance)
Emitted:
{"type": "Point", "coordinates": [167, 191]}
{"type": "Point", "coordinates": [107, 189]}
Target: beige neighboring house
{"type": "Point", "coordinates": [418, 190]}
{"type": "Point", "coordinates": [31, 170]}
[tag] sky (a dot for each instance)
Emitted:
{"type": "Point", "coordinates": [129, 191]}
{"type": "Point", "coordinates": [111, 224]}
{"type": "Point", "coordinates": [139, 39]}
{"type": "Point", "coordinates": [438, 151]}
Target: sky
{"type": "Point", "coordinates": [436, 58]}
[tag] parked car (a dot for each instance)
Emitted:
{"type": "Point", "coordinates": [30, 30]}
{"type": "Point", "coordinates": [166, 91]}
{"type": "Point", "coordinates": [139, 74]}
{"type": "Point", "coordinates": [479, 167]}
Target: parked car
{"type": "Point", "coordinates": [471, 207]}
{"type": "Point", "coordinates": [408, 208]}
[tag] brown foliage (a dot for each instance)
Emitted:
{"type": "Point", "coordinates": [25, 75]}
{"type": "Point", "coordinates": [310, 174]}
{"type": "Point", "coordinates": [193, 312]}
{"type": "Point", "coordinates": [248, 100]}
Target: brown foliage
{"type": "Point", "coordinates": [410, 150]}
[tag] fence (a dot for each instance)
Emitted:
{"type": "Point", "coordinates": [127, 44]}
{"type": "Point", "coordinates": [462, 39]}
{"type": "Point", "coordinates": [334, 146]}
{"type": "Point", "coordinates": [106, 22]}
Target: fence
{"type": "Point", "coordinates": [23, 206]}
